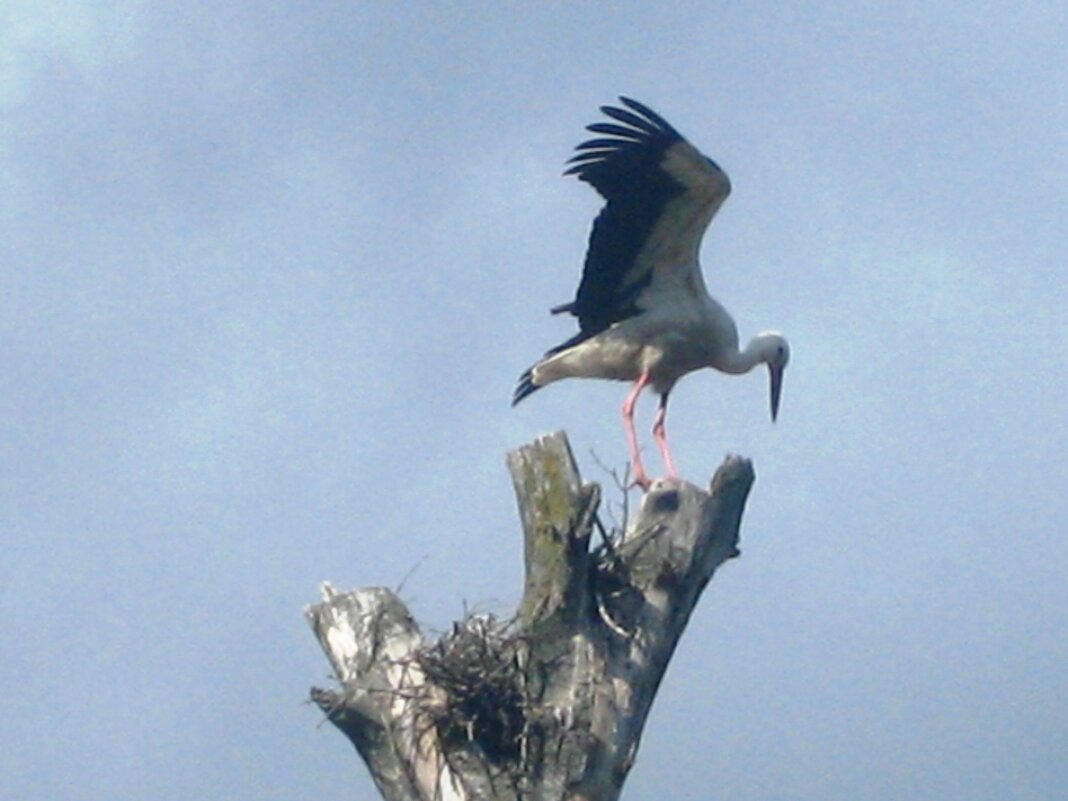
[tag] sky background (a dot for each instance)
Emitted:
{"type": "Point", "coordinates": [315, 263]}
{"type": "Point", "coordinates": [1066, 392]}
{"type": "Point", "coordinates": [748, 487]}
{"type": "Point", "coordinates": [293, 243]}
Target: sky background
{"type": "Point", "coordinates": [268, 272]}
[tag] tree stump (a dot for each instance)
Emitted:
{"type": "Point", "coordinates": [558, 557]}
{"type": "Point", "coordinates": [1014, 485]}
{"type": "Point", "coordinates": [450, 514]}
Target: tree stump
{"type": "Point", "coordinates": [549, 705]}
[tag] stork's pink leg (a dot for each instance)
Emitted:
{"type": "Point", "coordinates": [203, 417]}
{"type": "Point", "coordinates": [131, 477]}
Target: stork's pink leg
{"type": "Point", "coordinates": [660, 435]}
{"type": "Point", "coordinates": [640, 476]}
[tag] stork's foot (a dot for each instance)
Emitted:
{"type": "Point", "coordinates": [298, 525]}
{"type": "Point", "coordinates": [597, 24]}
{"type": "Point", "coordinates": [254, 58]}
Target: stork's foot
{"type": "Point", "coordinates": [640, 480]}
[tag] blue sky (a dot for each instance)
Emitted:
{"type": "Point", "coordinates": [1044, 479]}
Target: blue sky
{"type": "Point", "coordinates": [268, 273]}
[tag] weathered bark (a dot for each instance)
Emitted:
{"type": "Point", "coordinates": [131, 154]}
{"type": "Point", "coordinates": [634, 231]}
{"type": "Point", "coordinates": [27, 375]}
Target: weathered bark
{"type": "Point", "coordinates": [550, 705]}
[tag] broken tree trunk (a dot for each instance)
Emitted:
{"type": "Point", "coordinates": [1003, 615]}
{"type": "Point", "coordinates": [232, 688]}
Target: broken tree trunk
{"type": "Point", "coordinates": [550, 705]}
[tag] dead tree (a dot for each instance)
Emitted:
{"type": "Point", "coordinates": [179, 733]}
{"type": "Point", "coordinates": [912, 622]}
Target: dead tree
{"type": "Point", "coordinates": [549, 705]}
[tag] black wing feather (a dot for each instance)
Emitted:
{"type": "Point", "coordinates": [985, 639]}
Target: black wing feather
{"type": "Point", "coordinates": [595, 144]}
{"type": "Point", "coordinates": [617, 130]}
{"type": "Point", "coordinates": [633, 120]}
{"type": "Point", "coordinates": [658, 121]}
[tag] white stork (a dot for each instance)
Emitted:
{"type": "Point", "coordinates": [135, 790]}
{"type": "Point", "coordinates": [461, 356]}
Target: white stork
{"type": "Point", "coordinates": [643, 310]}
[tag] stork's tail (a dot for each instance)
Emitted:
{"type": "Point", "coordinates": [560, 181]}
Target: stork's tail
{"type": "Point", "coordinates": [526, 383]}
{"type": "Point", "coordinates": [525, 386]}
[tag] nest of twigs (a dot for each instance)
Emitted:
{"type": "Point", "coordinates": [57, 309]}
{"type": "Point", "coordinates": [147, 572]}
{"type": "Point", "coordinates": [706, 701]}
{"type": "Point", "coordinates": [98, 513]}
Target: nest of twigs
{"type": "Point", "coordinates": [476, 666]}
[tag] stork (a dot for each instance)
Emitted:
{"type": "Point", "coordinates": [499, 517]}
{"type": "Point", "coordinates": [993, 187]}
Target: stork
{"type": "Point", "coordinates": [643, 310]}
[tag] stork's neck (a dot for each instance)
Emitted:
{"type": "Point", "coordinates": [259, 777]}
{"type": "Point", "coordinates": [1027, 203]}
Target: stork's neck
{"type": "Point", "coordinates": [742, 361]}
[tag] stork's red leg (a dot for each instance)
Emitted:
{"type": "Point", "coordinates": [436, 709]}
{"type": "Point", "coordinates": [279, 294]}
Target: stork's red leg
{"type": "Point", "coordinates": [640, 476]}
{"type": "Point", "coordinates": [660, 435]}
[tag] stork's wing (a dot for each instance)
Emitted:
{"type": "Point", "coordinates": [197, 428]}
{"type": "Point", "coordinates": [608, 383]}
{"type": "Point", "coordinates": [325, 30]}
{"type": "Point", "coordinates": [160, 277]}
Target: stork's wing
{"type": "Point", "coordinates": [661, 193]}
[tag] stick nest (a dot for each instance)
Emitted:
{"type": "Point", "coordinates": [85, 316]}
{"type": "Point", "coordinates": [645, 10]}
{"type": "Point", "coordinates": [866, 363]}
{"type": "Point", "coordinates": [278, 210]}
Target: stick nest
{"type": "Point", "coordinates": [477, 666]}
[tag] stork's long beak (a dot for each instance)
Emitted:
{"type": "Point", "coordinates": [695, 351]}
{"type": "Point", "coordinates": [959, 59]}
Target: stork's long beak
{"type": "Point", "coordinates": [776, 389]}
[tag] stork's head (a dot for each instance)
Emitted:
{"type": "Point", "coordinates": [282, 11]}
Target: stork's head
{"type": "Point", "coordinates": [775, 351]}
